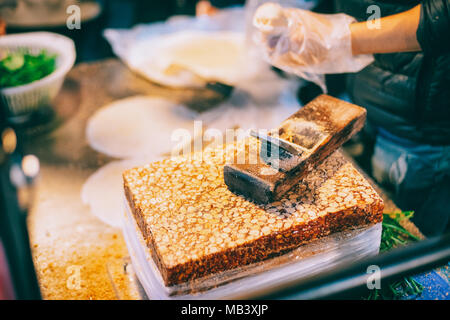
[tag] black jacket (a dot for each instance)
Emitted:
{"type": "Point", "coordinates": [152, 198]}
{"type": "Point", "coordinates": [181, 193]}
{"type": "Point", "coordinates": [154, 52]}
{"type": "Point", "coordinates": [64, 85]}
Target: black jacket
{"type": "Point", "coordinates": [408, 94]}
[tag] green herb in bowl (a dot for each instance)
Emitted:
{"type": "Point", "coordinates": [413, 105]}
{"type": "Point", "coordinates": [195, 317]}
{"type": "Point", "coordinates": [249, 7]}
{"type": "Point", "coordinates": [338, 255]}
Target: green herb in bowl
{"type": "Point", "coordinates": [21, 67]}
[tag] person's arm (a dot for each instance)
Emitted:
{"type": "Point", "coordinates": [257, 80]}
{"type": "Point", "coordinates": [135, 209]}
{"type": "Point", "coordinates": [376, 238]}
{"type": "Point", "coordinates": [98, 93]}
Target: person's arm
{"type": "Point", "coordinates": [396, 33]}
{"type": "Point", "coordinates": [425, 27]}
{"type": "Point", "coordinates": [310, 44]}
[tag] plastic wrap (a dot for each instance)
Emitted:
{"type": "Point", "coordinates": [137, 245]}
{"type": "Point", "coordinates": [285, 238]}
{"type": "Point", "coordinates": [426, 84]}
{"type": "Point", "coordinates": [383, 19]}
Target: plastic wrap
{"type": "Point", "coordinates": [191, 58]}
{"type": "Point", "coordinates": [312, 258]}
{"type": "Point", "coordinates": [188, 51]}
{"type": "Point", "coordinates": [307, 44]}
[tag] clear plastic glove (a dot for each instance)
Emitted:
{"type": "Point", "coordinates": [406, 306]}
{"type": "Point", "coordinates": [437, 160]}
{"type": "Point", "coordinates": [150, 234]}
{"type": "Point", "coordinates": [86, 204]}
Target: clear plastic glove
{"type": "Point", "coordinates": [307, 44]}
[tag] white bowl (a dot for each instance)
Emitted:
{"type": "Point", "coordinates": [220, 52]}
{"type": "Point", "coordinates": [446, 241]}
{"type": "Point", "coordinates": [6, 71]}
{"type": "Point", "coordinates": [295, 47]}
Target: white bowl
{"type": "Point", "coordinates": [22, 100]}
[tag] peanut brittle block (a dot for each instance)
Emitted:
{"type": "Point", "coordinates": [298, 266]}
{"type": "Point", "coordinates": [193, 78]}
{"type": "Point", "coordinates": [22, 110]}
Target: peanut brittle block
{"type": "Point", "coordinates": [194, 226]}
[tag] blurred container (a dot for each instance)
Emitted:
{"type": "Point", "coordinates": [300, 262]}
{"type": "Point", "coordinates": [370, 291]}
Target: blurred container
{"type": "Point", "coordinates": [18, 175]}
{"type": "Point", "coordinates": [22, 100]}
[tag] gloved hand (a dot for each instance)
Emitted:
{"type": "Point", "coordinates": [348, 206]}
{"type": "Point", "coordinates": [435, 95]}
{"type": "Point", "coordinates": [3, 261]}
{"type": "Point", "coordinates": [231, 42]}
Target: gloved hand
{"type": "Point", "coordinates": [307, 44]}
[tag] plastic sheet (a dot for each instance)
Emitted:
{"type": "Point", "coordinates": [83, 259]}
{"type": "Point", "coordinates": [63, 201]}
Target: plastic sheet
{"type": "Point", "coordinates": [189, 51]}
{"type": "Point", "coordinates": [307, 44]}
{"type": "Point", "coordinates": [312, 258]}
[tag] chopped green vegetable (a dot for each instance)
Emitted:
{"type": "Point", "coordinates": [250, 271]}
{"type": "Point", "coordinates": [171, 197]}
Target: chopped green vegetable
{"type": "Point", "coordinates": [13, 62]}
{"type": "Point", "coordinates": [21, 67]}
{"type": "Point", "coordinates": [393, 235]}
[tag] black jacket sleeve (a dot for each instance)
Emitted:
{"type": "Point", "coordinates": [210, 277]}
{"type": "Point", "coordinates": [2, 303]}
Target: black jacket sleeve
{"type": "Point", "coordinates": [433, 32]}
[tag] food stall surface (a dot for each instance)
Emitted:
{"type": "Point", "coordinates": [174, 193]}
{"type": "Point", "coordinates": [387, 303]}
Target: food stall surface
{"type": "Point", "coordinates": [76, 255]}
